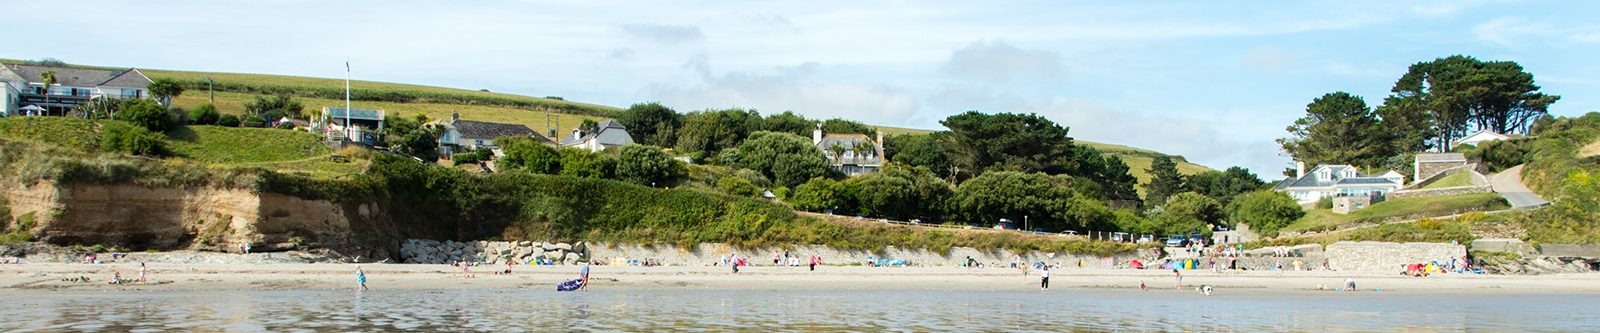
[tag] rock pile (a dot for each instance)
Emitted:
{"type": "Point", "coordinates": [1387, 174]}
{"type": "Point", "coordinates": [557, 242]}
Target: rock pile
{"type": "Point", "coordinates": [424, 251]}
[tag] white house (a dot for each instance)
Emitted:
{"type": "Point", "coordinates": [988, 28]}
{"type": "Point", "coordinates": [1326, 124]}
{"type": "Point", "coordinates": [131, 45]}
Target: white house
{"type": "Point", "coordinates": [607, 134]}
{"type": "Point", "coordinates": [842, 151]}
{"type": "Point", "coordinates": [1327, 181]}
{"type": "Point", "coordinates": [466, 135]}
{"type": "Point", "coordinates": [1477, 137]}
{"type": "Point", "coordinates": [23, 85]}
{"type": "Point", "coordinates": [362, 128]}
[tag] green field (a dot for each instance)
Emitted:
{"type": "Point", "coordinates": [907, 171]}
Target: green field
{"type": "Point", "coordinates": [280, 150]}
{"type": "Point", "coordinates": [233, 103]}
{"type": "Point", "coordinates": [1399, 209]}
{"type": "Point", "coordinates": [328, 88]}
{"type": "Point", "coordinates": [1456, 180]}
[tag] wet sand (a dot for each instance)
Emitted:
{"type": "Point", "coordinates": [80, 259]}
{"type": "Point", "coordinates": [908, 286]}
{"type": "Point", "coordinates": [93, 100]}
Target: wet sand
{"type": "Point", "coordinates": [24, 278]}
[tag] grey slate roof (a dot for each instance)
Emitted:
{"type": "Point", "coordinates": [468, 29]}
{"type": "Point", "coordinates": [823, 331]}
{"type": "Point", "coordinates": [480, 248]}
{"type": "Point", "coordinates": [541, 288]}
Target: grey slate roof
{"type": "Point", "coordinates": [1310, 178]}
{"type": "Point", "coordinates": [1365, 180]}
{"type": "Point", "coordinates": [362, 114]}
{"type": "Point", "coordinates": [848, 141]}
{"type": "Point", "coordinates": [488, 130]}
{"type": "Point", "coordinates": [1444, 157]}
{"type": "Point", "coordinates": [82, 77]}
{"type": "Point", "coordinates": [601, 133]}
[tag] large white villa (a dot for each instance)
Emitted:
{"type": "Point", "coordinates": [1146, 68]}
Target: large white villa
{"type": "Point", "coordinates": [1327, 181]}
{"type": "Point", "coordinates": [23, 91]}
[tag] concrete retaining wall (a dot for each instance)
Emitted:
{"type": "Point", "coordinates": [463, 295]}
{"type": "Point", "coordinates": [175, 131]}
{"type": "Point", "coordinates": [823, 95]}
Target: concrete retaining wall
{"type": "Point", "coordinates": [1388, 257]}
{"type": "Point", "coordinates": [708, 253]}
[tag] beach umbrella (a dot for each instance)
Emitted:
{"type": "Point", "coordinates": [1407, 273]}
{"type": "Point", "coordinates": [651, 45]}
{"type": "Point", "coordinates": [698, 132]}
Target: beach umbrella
{"type": "Point", "coordinates": [31, 109]}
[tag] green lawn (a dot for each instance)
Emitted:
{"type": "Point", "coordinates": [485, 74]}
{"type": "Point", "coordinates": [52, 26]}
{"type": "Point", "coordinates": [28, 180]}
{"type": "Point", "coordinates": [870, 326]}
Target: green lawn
{"type": "Point", "coordinates": [66, 132]}
{"type": "Point", "coordinates": [1399, 209]}
{"type": "Point", "coordinates": [224, 147]}
{"type": "Point", "coordinates": [268, 82]}
{"type": "Point", "coordinates": [1456, 180]}
{"type": "Point", "coordinates": [233, 103]}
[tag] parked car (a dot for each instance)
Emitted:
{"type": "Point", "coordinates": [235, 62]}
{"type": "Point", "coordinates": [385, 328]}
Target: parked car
{"type": "Point", "coordinates": [1197, 238]}
{"type": "Point", "coordinates": [1069, 233]}
{"type": "Point", "coordinates": [1177, 241]}
{"type": "Point", "coordinates": [1146, 239]}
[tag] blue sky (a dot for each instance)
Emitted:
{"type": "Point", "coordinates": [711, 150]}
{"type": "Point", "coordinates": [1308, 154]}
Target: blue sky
{"type": "Point", "coordinates": [1214, 81]}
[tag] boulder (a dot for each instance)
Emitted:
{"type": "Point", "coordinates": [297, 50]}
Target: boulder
{"type": "Point", "coordinates": [564, 247]}
{"type": "Point", "coordinates": [548, 246]}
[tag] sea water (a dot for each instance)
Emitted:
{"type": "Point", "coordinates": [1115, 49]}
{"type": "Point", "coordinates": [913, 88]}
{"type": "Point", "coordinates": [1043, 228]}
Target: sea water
{"type": "Point", "coordinates": [789, 310]}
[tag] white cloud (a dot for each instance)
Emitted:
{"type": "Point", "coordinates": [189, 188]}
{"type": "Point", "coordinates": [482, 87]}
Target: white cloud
{"type": "Point", "coordinates": [998, 62]}
{"type": "Point", "coordinates": [665, 34]}
{"type": "Point", "coordinates": [1270, 58]}
{"type": "Point", "coordinates": [1510, 31]}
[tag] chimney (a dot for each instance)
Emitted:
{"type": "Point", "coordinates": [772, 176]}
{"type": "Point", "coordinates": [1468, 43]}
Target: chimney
{"type": "Point", "coordinates": [455, 117]}
{"type": "Point", "coordinates": [576, 134]}
{"type": "Point", "coordinates": [879, 145]}
{"type": "Point", "coordinates": [816, 135]}
{"type": "Point", "coordinates": [1299, 169]}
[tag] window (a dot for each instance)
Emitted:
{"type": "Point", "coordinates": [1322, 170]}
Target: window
{"type": "Point", "coordinates": [130, 93]}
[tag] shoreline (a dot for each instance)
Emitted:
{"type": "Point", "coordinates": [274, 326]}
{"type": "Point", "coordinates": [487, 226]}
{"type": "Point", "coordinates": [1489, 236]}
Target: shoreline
{"type": "Point", "coordinates": [46, 278]}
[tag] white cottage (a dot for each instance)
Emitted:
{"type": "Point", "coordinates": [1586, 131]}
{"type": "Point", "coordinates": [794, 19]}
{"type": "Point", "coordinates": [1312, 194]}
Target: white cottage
{"type": "Point", "coordinates": [607, 134]}
{"type": "Point", "coordinates": [1327, 181]}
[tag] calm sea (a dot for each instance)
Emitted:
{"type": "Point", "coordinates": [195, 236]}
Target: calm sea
{"type": "Point", "coordinates": [725, 310]}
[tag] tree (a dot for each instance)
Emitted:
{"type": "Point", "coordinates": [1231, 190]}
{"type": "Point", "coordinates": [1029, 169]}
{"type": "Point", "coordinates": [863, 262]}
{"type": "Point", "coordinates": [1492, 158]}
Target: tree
{"type": "Point", "coordinates": [422, 143]}
{"type": "Point", "coordinates": [1047, 202]}
{"type": "Point", "coordinates": [164, 90]}
{"type": "Point", "coordinates": [147, 114]}
{"type": "Point", "coordinates": [1461, 93]}
{"type": "Point", "coordinates": [584, 164]}
{"type": "Point", "coordinates": [863, 149]}
{"type": "Point", "coordinates": [900, 192]}
{"type": "Point", "coordinates": [652, 124]}
{"type": "Point", "coordinates": [819, 195]}
{"type": "Point", "coordinates": [648, 166]}
{"type": "Point", "coordinates": [788, 122]}
{"type": "Point", "coordinates": [1165, 180]}
{"type": "Point", "coordinates": [127, 138]}
{"type": "Point", "coordinates": [1265, 211]}
{"type": "Point", "coordinates": [589, 126]}
{"type": "Point", "coordinates": [205, 114]}
{"type": "Point", "coordinates": [842, 126]}
{"type": "Point", "coordinates": [526, 154]}
{"type": "Point", "coordinates": [274, 108]}
{"type": "Point", "coordinates": [1016, 142]}
{"type": "Point", "coordinates": [918, 150]}
{"type": "Point", "coordinates": [1116, 181]}
{"type": "Point", "coordinates": [707, 133]}
{"type": "Point", "coordinates": [838, 150]}
{"type": "Point", "coordinates": [1184, 210]}
{"type": "Point", "coordinates": [49, 78]}
{"type": "Point", "coordinates": [1222, 186]}
{"type": "Point", "coordinates": [785, 158]}
{"type": "Point", "coordinates": [1338, 128]}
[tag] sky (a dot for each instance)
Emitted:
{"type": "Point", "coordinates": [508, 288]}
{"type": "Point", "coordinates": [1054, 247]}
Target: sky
{"type": "Point", "coordinates": [1213, 81]}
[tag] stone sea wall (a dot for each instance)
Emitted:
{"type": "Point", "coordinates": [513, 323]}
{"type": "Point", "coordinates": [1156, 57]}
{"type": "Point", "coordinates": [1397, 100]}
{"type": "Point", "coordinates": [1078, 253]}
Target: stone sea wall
{"type": "Point", "coordinates": [494, 253]}
{"type": "Point", "coordinates": [1388, 257]}
{"type": "Point", "coordinates": [422, 251]}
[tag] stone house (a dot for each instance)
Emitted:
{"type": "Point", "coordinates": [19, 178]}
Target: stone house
{"type": "Point", "coordinates": [1428, 165]}
{"type": "Point", "coordinates": [459, 135]}
{"type": "Point", "coordinates": [842, 151]}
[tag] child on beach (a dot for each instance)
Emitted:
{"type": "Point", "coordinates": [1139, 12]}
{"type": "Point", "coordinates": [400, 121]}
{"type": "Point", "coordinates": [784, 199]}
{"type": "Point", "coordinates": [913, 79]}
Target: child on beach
{"type": "Point", "coordinates": [584, 274]}
{"type": "Point", "coordinates": [466, 269]}
{"type": "Point", "coordinates": [142, 270]}
{"type": "Point", "coordinates": [361, 280]}
{"type": "Point", "coordinates": [1178, 275]}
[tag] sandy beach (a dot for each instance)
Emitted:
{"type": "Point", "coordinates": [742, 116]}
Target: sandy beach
{"type": "Point", "coordinates": [48, 277]}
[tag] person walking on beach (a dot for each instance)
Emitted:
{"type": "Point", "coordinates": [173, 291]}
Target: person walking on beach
{"type": "Point", "coordinates": [584, 274]}
{"type": "Point", "coordinates": [1178, 275]}
{"type": "Point", "coordinates": [361, 280]}
{"type": "Point", "coordinates": [1044, 278]}
{"type": "Point", "coordinates": [734, 262]}
{"type": "Point", "coordinates": [142, 271]}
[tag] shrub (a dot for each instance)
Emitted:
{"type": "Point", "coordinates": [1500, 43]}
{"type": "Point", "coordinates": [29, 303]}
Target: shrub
{"type": "Point", "coordinates": [1266, 211]}
{"type": "Point", "coordinates": [1325, 203]}
{"type": "Point", "coordinates": [252, 121]}
{"type": "Point", "coordinates": [205, 114]}
{"type": "Point", "coordinates": [286, 125]}
{"type": "Point", "coordinates": [737, 186]}
{"type": "Point", "coordinates": [228, 120]}
{"type": "Point", "coordinates": [146, 113]}
{"type": "Point", "coordinates": [121, 137]}
{"type": "Point", "coordinates": [647, 165]}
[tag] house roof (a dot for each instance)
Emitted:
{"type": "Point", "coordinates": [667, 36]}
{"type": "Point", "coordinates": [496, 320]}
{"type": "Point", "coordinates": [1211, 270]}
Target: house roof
{"type": "Point", "coordinates": [848, 141]}
{"type": "Point", "coordinates": [1310, 178]}
{"type": "Point", "coordinates": [488, 130]}
{"type": "Point", "coordinates": [604, 127]}
{"type": "Point", "coordinates": [362, 114]}
{"type": "Point", "coordinates": [1441, 157]}
{"type": "Point", "coordinates": [1365, 180]}
{"type": "Point", "coordinates": [82, 77]}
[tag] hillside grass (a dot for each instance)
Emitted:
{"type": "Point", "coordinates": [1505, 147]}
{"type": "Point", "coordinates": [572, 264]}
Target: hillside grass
{"type": "Point", "coordinates": [1398, 209]}
{"type": "Point", "coordinates": [366, 90]}
{"type": "Point", "coordinates": [233, 103]}
{"type": "Point", "coordinates": [1456, 180]}
{"type": "Point", "coordinates": [279, 150]}
{"type": "Point", "coordinates": [1457, 229]}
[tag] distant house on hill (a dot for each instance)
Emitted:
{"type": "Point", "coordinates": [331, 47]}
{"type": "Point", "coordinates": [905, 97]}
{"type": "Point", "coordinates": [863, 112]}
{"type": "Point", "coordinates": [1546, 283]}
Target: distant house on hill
{"type": "Point", "coordinates": [1429, 165]}
{"type": "Point", "coordinates": [22, 90]}
{"type": "Point", "coordinates": [1478, 137]}
{"type": "Point", "coordinates": [1326, 181]}
{"type": "Point", "coordinates": [850, 153]}
{"type": "Point", "coordinates": [362, 128]}
{"type": "Point", "coordinates": [608, 134]}
{"type": "Point", "coordinates": [467, 135]}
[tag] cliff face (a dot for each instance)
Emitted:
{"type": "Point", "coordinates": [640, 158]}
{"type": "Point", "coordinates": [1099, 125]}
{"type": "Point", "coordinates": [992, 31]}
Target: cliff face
{"type": "Point", "coordinates": [175, 218]}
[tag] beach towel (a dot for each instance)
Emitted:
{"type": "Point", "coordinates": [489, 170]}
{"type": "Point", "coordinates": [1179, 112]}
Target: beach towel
{"type": "Point", "coordinates": [570, 285]}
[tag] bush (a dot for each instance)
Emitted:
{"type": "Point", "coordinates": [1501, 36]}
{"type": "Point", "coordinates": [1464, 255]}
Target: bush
{"type": "Point", "coordinates": [286, 125]}
{"type": "Point", "coordinates": [647, 165]}
{"type": "Point", "coordinates": [205, 114]}
{"type": "Point", "coordinates": [1325, 203]}
{"type": "Point", "coordinates": [252, 121]}
{"type": "Point", "coordinates": [1265, 211]}
{"type": "Point", "coordinates": [525, 154]}
{"type": "Point", "coordinates": [228, 120]}
{"type": "Point", "coordinates": [737, 186]}
{"type": "Point", "coordinates": [122, 137]}
{"type": "Point", "coordinates": [146, 113]}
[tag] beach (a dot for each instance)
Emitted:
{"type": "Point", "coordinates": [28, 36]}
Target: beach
{"type": "Point", "coordinates": [48, 277]}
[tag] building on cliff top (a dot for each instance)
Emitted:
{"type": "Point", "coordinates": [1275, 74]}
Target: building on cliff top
{"type": "Point", "coordinates": [460, 135]}
{"type": "Point", "coordinates": [607, 134]}
{"type": "Point", "coordinates": [1338, 180]}
{"type": "Point", "coordinates": [23, 92]}
{"type": "Point", "coordinates": [850, 153]}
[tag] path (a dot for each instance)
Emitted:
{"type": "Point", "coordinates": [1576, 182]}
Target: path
{"type": "Point", "coordinates": [1509, 184]}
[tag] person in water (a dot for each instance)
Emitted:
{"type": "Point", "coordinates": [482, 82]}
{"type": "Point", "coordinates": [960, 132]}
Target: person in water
{"type": "Point", "coordinates": [584, 274]}
{"type": "Point", "coordinates": [1178, 275]}
{"type": "Point", "coordinates": [1044, 278]}
{"type": "Point", "coordinates": [361, 280]}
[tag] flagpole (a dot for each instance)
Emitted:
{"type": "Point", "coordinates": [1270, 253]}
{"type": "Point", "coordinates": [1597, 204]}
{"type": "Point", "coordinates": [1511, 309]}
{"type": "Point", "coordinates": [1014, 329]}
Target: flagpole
{"type": "Point", "coordinates": [347, 99]}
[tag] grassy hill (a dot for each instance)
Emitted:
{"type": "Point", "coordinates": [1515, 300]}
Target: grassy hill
{"type": "Point", "coordinates": [293, 152]}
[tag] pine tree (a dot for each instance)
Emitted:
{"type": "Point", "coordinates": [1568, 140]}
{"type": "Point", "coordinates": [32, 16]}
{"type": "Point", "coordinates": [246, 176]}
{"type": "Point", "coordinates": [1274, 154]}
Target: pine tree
{"type": "Point", "coordinates": [1165, 181]}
